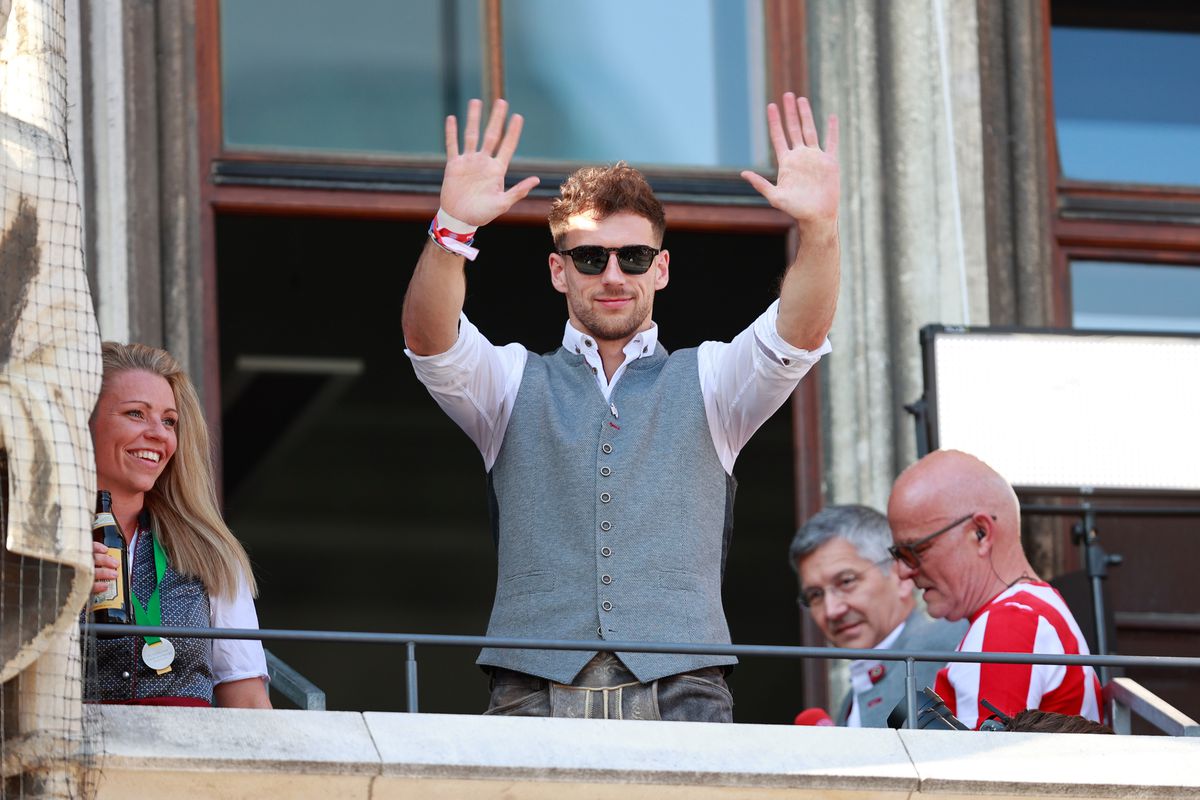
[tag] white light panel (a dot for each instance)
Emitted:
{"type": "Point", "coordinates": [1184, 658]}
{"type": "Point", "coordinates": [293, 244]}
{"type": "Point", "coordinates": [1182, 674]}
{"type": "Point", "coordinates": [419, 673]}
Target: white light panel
{"type": "Point", "coordinates": [1073, 411]}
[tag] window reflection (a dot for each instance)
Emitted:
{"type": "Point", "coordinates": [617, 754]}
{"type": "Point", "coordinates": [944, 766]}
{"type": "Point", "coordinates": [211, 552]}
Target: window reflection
{"type": "Point", "coordinates": [365, 76]}
{"type": "Point", "coordinates": [1126, 104]}
{"type": "Point", "coordinates": [1135, 297]}
{"type": "Point", "coordinates": [669, 82]}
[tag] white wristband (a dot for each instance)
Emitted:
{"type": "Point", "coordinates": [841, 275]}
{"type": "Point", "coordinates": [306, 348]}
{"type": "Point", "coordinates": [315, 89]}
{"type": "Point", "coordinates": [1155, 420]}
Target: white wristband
{"type": "Point", "coordinates": [453, 224]}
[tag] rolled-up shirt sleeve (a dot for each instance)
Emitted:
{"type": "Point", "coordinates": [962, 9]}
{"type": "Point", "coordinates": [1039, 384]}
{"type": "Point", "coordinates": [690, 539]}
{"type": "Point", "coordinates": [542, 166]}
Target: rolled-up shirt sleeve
{"type": "Point", "coordinates": [745, 381]}
{"type": "Point", "coordinates": [236, 659]}
{"type": "Point", "coordinates": [475, 383]}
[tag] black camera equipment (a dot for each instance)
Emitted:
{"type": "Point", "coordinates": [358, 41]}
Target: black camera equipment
{"type": "Point", "coordinates": [932, 714]}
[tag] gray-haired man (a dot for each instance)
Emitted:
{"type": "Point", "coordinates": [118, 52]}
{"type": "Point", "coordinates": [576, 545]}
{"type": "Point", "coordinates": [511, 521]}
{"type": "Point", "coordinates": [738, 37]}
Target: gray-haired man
{"type": "Point", "coordinates": [849, 584]}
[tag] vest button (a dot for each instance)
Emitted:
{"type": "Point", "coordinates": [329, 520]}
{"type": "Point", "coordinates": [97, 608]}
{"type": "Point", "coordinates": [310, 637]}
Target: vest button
{"type": "Point", "coordinates": [125, 675]}
{"type": "Point", "coordinates": [606, 471]}
{"type": "Point", "coordinates": [606, 448]}
{"type": "Point", "coordinates": [606, 579]}
{"type": "Point", "coordinates": [607, 606]}
{"type": "Point", "coordinates": [600, 631]}
{"type": "Point", "coordinates": [606, 525]}
{"type": "Point", "coordinates": [605, 497]}
{"type": "Point", "coordinates": [606, 551]}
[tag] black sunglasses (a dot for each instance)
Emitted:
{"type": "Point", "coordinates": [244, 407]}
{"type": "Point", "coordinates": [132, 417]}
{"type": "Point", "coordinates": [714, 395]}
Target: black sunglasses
{"type": "Point", "coordinates": [591, 259]}
{"type": "Point", "coordinates": [909, 553]}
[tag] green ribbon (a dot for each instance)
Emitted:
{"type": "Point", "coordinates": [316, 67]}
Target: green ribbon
{"type": "Point", "coordinates": [151, 614]}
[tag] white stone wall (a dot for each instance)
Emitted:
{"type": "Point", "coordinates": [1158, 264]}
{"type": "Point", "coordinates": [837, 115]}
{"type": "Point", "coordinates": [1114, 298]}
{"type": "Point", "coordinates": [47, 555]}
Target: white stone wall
{"type": "Point", "coordinates": [229, 753]}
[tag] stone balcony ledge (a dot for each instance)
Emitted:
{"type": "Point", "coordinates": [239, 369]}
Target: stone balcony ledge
{"type": "Point", "coordinates": [233, 753]}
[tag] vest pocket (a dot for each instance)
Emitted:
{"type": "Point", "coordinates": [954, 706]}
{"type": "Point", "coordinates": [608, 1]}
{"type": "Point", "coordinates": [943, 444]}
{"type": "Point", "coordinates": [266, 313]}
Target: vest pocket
{"type": "Point", "coordinates": [676, 579]}
{"type": "Point", "coordinates": [527, 583]}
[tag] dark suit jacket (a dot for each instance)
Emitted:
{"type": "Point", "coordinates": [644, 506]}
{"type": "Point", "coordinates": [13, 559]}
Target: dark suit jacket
{"type": "Point", "coordinates": [921, 632]}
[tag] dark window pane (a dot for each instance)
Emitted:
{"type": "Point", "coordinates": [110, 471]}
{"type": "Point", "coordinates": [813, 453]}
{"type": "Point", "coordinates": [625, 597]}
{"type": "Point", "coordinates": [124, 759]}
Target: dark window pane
{"type": "Point", "coordinates": [1135, 297]}
{"type": "Point", "coordinates": [354, 76]}
{"type": "Point", "coordinates": [669, 82]}
{"type": "Point", "coordinates": [1126, 105]}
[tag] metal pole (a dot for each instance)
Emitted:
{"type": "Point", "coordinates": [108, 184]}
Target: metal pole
{"type": "Point", "coordinates": [1097, 570]}
{"type": "Point", "coordinates": [910, 691]}
{"type": "Point", "coordinates": [410, 674]}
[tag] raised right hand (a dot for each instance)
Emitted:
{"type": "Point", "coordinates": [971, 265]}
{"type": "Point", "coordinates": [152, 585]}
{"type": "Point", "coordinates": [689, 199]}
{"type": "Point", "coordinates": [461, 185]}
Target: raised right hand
{"type": "Point", "coordinates": [473, 183]}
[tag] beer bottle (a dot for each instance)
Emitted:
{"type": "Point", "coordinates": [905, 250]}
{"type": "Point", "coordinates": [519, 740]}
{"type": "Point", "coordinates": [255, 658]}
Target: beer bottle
{"type": "Point", "coordinates": [111, 605]}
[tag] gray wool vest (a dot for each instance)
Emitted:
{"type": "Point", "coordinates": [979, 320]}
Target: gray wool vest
{"type": "Point", "coordinates": [609, 527]}
{"type": "Point", "coordinates": [121, 674]}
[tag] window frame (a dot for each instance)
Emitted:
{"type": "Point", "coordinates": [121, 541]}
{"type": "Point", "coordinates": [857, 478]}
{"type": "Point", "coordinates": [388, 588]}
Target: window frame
{"type": "Point", "coordinates": [1107, 221]}
{"type": "Point", "coordinates": [1126, 222]}
{"type": "Point", "coordinates": [254, 183]}
{"type": "Point", "coordinates": [243, 182]}
{"type": "Point", "coordinates": [249, 179]}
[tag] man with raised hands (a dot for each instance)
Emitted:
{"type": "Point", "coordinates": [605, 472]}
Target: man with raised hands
{"type": "Point", "coordinates": [610, 461]}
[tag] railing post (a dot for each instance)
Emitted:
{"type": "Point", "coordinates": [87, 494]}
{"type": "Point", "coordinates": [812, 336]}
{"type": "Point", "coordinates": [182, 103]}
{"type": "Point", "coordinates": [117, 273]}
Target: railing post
{"type": "Point", "coordinates": [410, 674]}
{"type": "Point", "coordinates": [910, 691]}
{"type": "Point", "coordinates": [1121, 718]}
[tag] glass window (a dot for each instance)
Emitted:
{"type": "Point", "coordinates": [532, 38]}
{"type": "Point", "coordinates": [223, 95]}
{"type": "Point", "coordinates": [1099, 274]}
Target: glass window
{"type": "Point", "coordinates": [1125, 103]}
{"type": "Point", "coordinates": [1135, 297]}
{"type": "Point", "coordinates": [669, 82]}
{"type": "Point", "coordinates": [355, 76]}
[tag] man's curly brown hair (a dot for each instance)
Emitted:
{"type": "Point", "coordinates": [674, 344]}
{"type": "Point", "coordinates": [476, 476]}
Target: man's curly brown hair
{"type": "Point", "coordinates": [1032, 720]}
{"type": "Point", "coordinates": [605, 191]}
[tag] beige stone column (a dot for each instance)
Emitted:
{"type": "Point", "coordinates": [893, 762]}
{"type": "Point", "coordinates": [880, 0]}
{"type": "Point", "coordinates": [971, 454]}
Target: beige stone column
{"type": "Point", "coordinates": [913, 226]}
{"type": "Point", "coordinates": [142, 196]}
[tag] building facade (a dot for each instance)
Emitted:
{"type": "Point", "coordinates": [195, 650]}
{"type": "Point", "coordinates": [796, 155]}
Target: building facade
{"type": "Point", "coordinates": [258, 178]}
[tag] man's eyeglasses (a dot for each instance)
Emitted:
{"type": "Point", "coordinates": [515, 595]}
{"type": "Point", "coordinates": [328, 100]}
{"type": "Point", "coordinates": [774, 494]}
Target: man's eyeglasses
{"type": "Point", "coordinates": [909, 553]}
{"type": "Point", "coordinates": [843, 586]}
{"type": "Point", "coordinates": [591, 259]}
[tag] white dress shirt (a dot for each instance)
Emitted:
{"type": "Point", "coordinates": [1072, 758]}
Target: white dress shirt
{"type": "Point", "coordinates": [860, 676]}
{"type": "Point", "coordinates": [743, 382]}
{"type": "Point", "coordinates": [232, 659]}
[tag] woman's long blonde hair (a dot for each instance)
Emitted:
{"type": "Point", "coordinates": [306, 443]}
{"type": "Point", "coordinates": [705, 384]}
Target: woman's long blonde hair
{"type": "Point", "coordinates": [183, 502]}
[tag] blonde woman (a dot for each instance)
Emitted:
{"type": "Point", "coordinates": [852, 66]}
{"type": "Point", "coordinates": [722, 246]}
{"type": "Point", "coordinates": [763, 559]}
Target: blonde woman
{"type": "Point", "coordinates": [152, 455]}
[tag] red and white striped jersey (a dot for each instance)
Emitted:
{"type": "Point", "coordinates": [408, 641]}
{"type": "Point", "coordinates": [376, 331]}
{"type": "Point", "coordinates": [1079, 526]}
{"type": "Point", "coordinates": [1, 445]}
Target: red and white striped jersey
{"type": "Point", "coordinates": [1024, 618]}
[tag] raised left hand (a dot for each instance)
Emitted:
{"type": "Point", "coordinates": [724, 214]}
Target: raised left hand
{"type": "Point", "coordinates": [807, 186]}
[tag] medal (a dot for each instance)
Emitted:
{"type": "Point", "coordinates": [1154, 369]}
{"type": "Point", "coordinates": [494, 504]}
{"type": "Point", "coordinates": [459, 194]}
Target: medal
{"type": "Point", "coordinates": [159, 655]}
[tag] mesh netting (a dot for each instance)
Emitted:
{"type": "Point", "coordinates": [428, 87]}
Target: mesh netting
{"type": "Point", "coordinates": [49, 378]}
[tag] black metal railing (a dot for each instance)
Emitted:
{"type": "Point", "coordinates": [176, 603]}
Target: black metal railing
{"type": "Point", "coordinates": [412, 640]}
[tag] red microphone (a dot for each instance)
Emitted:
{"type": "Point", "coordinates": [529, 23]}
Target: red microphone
{"type": "Point", "coordinates": [814, 716]}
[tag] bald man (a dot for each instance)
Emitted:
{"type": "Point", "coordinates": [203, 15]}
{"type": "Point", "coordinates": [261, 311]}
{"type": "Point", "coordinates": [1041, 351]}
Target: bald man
{"type": "Point", "coordinates": [956, 528]}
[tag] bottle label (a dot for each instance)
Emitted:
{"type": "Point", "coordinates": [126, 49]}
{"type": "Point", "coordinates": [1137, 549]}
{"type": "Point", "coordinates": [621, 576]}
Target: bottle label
{"type": "Point", "coordinates": [103, 518]}
{"type": "Point", "coordinates": [114, 595]}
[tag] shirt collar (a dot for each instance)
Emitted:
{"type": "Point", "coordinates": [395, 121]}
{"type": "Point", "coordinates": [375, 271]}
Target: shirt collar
{"type": "Point", "coordinates": [641, 345]}
{"type": "Point", "coordinates": [860, 669]}
{"type": "Point", "coordinates": [891, 638]}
